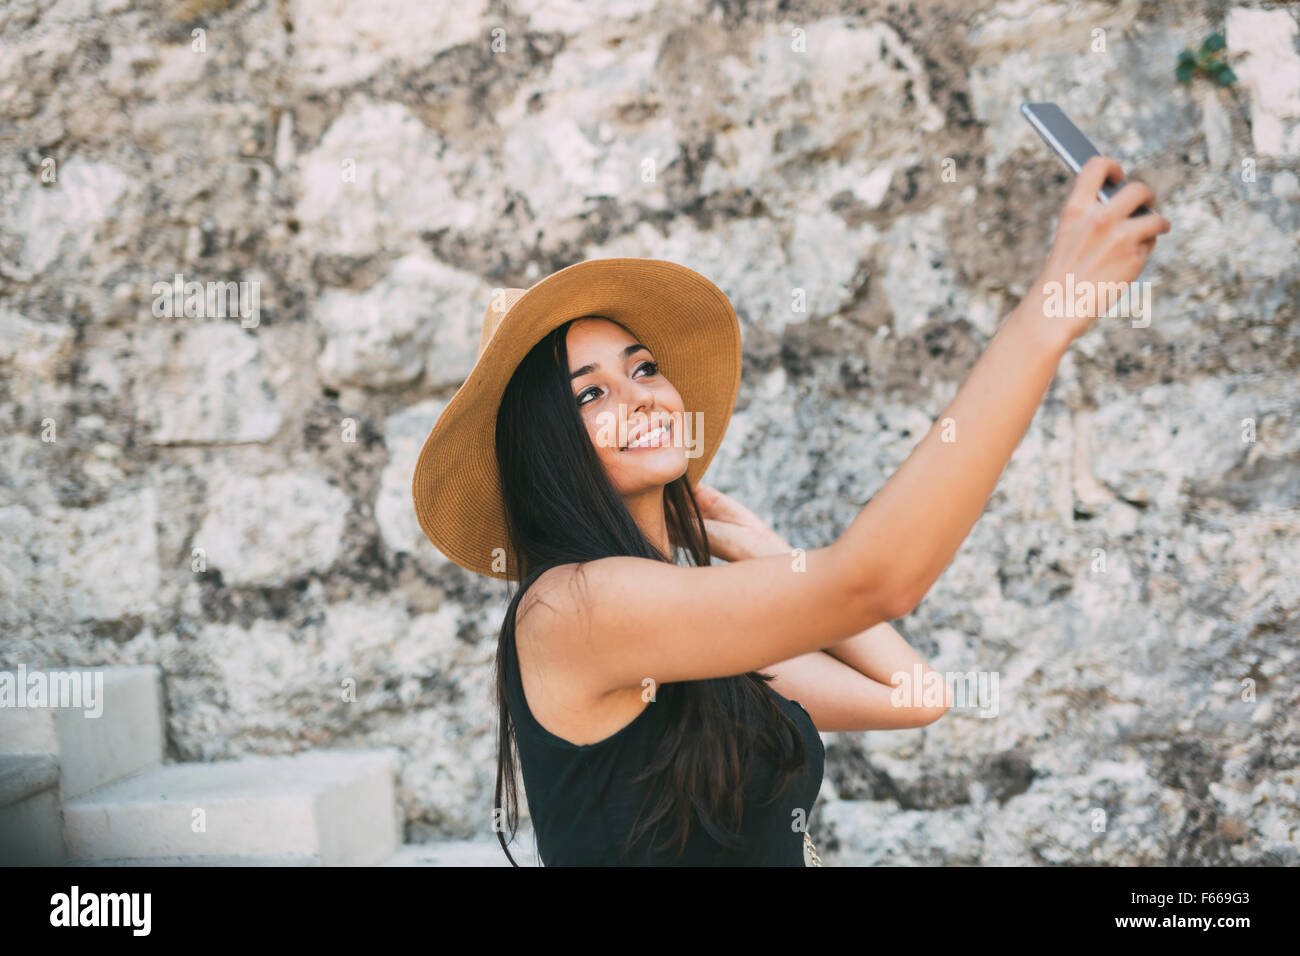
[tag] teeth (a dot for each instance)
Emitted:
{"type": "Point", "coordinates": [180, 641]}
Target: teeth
{"type": "Point", "coordinates": [644, 439]}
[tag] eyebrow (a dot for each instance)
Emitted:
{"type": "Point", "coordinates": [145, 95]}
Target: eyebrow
{"type": "Point", "coordinates": [588, 369]}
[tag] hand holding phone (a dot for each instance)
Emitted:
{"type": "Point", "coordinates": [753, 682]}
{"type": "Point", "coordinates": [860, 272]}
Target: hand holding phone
{"type": "Point", "coordinates": [1068, 142]}
{"type": "Point", "coordinates": [1103, 245]}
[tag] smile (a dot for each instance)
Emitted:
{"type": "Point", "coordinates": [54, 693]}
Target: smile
{"type": "Point", "coordinates": [656, 438]}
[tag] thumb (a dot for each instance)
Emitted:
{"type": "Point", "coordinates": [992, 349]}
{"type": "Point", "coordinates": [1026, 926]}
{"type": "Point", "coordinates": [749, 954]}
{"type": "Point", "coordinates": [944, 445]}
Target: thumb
{"type": "Point", "coordinates": [1094, 174]}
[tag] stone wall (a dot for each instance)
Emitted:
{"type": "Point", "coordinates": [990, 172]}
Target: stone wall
{"type": "Point", "coordinates": [226, 494]}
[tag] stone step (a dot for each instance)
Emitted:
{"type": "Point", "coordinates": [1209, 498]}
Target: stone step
{"type": "Point", "coordinates": [227, 860]}
{"type": "Point", "coordinates": [31, 831]}
{"type": "Point", "coordinates": [321, 807]}
{"type": "Point", "coordinates": [115, 729]}
{"type": "Point", "coordinates": [444, 853]}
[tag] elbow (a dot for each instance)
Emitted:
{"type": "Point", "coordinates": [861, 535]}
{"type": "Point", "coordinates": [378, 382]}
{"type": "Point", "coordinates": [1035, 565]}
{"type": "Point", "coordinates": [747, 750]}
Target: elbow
{"type": "Point", "coordinates": [933, 709]}
{"type": "Point", "coordinates": [883, 603]}
{"type": "Point", "coordinates": [903, 592]}
{"type": "Point", "coordinates": [903, 601]}
{"type": "Point", "coordinates": [923, 716]}
{"type": "Point", "coordinates": [879, 593]}
{"type": "Point", "coordinates": [901, 606]}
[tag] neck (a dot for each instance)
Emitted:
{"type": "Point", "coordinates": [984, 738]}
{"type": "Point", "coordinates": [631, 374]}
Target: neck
{"type": "Point", "coordinates": [647, 510]}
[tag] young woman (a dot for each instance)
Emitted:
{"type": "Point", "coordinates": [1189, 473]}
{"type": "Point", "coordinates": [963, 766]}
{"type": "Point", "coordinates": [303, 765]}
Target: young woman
{"type": "Point", "coordinates": [658, 709]}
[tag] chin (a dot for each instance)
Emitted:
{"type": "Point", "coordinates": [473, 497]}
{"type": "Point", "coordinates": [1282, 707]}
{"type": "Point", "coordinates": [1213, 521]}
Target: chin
{"type": "Point", "coordinates": [647, 478]}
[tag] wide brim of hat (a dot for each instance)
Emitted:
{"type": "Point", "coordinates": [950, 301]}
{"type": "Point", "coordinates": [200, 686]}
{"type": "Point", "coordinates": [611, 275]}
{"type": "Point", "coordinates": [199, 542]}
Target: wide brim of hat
{"type": "Point", "coordinates": [684, 319]}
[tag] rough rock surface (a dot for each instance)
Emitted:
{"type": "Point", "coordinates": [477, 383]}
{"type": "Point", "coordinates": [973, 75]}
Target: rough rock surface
{"type": "Point", "coordinates": [229, 498]}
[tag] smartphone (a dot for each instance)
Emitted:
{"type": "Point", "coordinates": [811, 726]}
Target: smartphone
{"type": "Point", "coordinates": [1069, 143]}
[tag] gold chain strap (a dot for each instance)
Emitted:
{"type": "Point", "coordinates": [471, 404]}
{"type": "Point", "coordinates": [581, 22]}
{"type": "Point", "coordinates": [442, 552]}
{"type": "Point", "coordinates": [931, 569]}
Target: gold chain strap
{"type": "Point", "coordinates": [810, 857]}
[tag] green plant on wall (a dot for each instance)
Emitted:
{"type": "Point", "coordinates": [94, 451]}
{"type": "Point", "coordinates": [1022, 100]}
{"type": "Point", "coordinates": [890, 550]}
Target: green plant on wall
{"type": "Point", "coordinates": [1205, 62]}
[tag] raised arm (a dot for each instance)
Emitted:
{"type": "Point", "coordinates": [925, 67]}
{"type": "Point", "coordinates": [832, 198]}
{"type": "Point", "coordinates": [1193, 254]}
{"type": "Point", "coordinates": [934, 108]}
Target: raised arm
{"type": "Point", "coordinates": [620, 621]}
{"type": "Point", "coordinates": [926, 509]}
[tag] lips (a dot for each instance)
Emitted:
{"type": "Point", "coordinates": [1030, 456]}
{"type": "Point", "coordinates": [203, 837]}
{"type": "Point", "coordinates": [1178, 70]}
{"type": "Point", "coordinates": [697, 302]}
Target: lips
{"type": "Point", "coordinates": [666, 426]}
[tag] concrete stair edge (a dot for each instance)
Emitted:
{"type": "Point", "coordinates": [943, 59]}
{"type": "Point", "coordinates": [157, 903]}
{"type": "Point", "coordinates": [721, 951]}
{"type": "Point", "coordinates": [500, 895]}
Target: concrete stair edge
{"type": "Point", "coordinates": [59, 765]}
{"type": "Point", "coordinates": [222, 860]}
{"type": "Point", "coordinates": [126, 736]}
{"type": "Point", "coordinates": [22, 775]}
{"type": "Point", "coordinates": [305, 804]}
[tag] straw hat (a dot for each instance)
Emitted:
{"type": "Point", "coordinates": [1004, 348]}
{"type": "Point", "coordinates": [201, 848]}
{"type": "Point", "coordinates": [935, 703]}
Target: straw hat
{"type": "Point", "coordinates": [684, 319]}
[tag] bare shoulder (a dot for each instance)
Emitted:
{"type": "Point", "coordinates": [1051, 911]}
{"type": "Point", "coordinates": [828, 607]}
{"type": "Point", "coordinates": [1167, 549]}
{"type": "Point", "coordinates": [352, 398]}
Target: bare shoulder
{"type": "Point", "coordinates": [564, 693]}
{"type": "Point", "coordinates": [543, 593]}
{"type": "Point", "coordinates": [557, 613]}
{"type": "Point", "coordinates": [546, 623]}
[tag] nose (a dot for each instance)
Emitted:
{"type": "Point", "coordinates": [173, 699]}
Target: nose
{"type": "Point", "coordinates": [639, 400]}
{"type": "Point", "coordinates": [638, 396]}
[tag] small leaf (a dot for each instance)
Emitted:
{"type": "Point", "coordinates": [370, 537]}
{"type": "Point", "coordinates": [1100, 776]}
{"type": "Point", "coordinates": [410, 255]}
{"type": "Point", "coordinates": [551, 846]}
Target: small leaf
{"type": "Point", "coordinates": [1226, 77]}
{"type": "Point", "coordinates": [1215, 67]}
{"type": "Point", "coordinates": [1213, 42]}
{"type": "Point", "coordinates": [1184, 73]}
{"type": "Point", "coordinates": [1187, 58]}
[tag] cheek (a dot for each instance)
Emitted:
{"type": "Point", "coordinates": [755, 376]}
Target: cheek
{"type": "Point", "coordinates": [665, 392]}
{"type": "Point", "coordinates": [603, 436]}
{"type": "Point", "coordinates": [604, 439]}
{"type": "Point", "coordinates": [669, 398]}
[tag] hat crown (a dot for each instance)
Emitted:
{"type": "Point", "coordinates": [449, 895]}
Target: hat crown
{"type": "Point", "coordinates": [502, 302]}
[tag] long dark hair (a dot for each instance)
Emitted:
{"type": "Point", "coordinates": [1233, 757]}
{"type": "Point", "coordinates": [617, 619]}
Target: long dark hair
{"type": "Point", "coordinates": [561, 508]}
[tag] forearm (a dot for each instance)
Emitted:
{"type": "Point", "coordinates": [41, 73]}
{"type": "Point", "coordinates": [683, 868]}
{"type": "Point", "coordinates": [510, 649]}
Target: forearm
{"type": "Point", "coordinates": [879, 653]}
{"type": "Point", "coordinates": [911, 529]}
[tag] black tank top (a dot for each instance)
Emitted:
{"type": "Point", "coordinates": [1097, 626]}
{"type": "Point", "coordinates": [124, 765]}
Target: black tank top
{"type": "Point", "coordinates": [583, 802]}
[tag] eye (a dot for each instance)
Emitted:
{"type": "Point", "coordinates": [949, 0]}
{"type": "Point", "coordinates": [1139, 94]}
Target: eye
{"type": "Point", "coordinates": [653, 370]}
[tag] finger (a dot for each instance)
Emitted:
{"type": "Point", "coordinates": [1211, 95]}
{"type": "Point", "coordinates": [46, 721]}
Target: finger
{"type": "Point", "coordinates": [704, 494]}
{"type": "Point", "coordinates": [1142, 228]}
{"type": "Point", "coordinates": [1095, 172]}
{"type": "Point", "coordinates": [1124, 202]}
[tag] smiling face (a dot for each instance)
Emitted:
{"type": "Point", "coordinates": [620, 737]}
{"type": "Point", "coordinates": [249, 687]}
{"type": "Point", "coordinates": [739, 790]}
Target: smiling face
{"type": "Point", "coordinates": [622, 398]}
